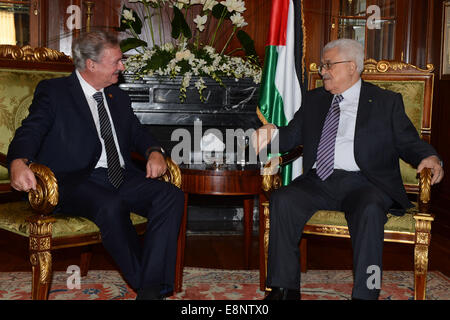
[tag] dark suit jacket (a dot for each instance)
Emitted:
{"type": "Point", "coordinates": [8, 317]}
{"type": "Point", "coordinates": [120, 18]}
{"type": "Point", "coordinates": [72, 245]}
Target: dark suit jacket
{"type": "Point", "coordinates": [60, 133]}
{"type": "Point", "coordinates": [383, 134]}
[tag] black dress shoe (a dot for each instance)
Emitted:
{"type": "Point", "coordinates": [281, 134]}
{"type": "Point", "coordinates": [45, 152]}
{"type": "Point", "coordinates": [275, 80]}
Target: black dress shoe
{"type": "Point", "coordinates": [152, 293]}
{"type": "Point", "coordinates": [283, 294]}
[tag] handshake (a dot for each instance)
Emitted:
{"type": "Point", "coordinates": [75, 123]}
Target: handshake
{"type": "Point", "coordinates": [262, 137]}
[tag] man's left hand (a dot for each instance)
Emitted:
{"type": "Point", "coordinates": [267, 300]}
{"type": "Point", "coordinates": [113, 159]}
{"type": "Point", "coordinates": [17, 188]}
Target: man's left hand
{"type": "Point", "coordinates": [434, 164]}
{"type": "Point", "coordinates": [156, 165]}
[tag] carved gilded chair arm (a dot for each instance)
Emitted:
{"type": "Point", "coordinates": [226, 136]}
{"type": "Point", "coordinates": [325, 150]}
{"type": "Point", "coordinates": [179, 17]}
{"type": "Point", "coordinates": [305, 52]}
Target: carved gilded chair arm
{"type": "Point", "coordinates": [45, 198]}
{"type": "Point", "coordinates": [271, 176]}
{"type": "Point", "coordinates": [173, 173]}
{"type": "Point", "coordinates": [424, 190]}
{"type": "Point", "coordinates": [271, 179]}
{"type": "Point", "coordinates": [292, 155]}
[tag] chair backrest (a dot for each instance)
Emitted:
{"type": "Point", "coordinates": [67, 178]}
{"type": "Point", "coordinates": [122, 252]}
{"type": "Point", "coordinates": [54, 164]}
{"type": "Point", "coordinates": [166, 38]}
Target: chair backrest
{"type": "Point", "coordinates": [416, 87]}
{"type": "Point", "coordinates": [21, 69]}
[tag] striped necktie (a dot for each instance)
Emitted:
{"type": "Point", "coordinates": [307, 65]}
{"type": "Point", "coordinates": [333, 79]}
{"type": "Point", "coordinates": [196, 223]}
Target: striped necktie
{"type": "Point", "coordinates": [325, 151]}
{"type": "Point", "coordinates": [115, 173]}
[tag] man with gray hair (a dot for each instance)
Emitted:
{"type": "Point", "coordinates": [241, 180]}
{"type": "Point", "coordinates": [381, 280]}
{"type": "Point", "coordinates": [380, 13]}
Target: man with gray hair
{"type": "Point", "coordinates": [84, 129]}
{"type": "Point", "coordinates": [353, 134]}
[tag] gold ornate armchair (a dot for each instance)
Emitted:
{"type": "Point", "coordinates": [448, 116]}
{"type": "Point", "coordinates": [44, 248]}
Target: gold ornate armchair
{"type": "Point", "coordinates": [20, 71]}
{"type": "Point", "coordinates": [414, 228]}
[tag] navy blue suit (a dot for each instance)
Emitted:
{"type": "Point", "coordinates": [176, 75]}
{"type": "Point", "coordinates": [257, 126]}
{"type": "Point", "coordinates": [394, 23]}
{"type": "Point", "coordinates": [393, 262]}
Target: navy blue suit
{"type": "Point", "coordinates": [60, 133]}
{"type": "Point", "coordinates": [383, 134]}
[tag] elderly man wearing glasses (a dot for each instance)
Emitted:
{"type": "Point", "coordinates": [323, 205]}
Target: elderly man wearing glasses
{"type": "Point", "coordinates": [353, 134]}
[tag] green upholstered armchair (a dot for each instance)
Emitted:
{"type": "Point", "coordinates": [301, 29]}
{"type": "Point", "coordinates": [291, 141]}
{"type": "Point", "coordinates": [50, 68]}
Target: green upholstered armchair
{"type": "Point", "coordinates": [414, 228]}
{"type": "Point", "coordinates": [20, 71]}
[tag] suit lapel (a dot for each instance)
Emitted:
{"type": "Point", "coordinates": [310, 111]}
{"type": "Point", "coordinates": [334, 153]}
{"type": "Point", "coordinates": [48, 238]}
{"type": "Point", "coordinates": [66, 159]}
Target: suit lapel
{"type": "Point", "coordinates": [324, 106]}
{"type": "Point", "coordinates": [322, 109]}
{"type": "Point", "coordinates": [362, 135]}
{"type": "Point", "coordinates": [366, 102]}
{"type": "Point", "coordinates": [80, 100]}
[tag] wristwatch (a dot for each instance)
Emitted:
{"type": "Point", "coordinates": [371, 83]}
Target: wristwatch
{"type": "Point", "coordinates": [157, 149]}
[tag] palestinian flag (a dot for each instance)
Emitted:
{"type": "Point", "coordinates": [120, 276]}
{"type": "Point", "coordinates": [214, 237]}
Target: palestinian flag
{"type": "Point", "coordinates": [282, 82]}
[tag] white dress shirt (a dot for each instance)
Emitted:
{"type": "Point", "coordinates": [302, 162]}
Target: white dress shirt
{"type": "Point", "coordinates": [344, 156]}
{"type": "Point", "coordinates": [89, 91]}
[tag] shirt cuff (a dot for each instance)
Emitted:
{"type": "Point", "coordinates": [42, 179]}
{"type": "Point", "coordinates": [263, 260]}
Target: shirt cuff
{"type": "Point", "coordinates": [274, 134]}
{"type": "Point", "coordinates": [152, 149]}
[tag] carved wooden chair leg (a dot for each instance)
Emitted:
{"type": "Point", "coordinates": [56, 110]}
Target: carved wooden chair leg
{"type": "Point", "coordinates": [262, 257]}
{"type": "Point", "coordinates": [40, 255]}
{"type": "Point", "coordinates": [85, 260]}
{"type": "Point", "coordinates": [422, 243]}
{"type": "Point", "coordinates": [266, 240]}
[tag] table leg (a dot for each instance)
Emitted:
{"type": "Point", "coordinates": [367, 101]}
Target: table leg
{"type": "Point", "coordinates": [248, 230]}
{"type": "Point", "coordinates": [180, 248]}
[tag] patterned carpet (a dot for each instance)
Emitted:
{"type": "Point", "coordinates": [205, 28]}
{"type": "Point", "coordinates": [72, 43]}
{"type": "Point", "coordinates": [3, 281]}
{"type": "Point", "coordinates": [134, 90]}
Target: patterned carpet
{"type": "Point", "coordinates": [211, 284]}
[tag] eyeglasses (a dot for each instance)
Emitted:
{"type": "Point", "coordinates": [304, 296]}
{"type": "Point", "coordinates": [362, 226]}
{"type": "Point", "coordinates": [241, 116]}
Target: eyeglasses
{"type": "Point", "coordinates": [329, 65]}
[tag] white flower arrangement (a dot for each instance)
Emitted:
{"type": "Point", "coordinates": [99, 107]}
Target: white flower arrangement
{"type": "Point", "coordinates": [186, 56]}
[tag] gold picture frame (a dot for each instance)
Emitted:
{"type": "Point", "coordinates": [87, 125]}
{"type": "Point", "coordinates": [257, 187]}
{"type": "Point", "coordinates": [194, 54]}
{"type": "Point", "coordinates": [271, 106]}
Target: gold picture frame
{"type": "Point", "coordinates": [445, 50]}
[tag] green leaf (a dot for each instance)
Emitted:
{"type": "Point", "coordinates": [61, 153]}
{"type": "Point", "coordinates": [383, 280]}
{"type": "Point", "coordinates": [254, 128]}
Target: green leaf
{"type": "Point", "coordinates": [219, 10]}
{"type": "Point", "coordinates": [179, 25]}
{"type": "Point", "coordinates": [131, 43]}
{"type": "Point", "coordinates": [160, 59]}
{"type": "Point", "coordinates": [247, 43]}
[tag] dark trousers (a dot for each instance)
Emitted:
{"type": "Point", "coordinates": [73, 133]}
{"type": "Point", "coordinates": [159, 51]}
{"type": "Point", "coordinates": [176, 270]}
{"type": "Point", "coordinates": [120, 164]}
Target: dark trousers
{"type": "Point", "coordinates": [291, 207]}
{"type": "Point", "coordinates": [147, 264]}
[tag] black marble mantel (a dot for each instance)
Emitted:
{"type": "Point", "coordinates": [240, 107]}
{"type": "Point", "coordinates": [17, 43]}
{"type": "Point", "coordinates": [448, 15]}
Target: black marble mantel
{"type": "Point", "coordinates": [157, 104]}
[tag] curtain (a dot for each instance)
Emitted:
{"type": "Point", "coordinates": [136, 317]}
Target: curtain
{"type": "Point", "coordinates": [8, 33]}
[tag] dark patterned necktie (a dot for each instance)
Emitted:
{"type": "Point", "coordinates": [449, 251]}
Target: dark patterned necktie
{"type": "Point", "coordinates": [115, 173]}
{"type": "Point", "coordinates": [325, 151]}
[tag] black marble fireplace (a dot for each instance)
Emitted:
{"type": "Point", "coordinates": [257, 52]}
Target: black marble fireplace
{"type": "Point", "coordinates": [157, 105]}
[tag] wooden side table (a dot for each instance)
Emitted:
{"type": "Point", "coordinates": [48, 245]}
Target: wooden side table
{"type": "Point", "coordinates": [229, 180]}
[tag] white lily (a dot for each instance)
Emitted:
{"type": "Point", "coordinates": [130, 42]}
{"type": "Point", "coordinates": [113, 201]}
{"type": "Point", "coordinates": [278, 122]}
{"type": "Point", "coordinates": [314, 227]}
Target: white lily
{"type": "Point", "coordinates": [128, 15]}
{"type": "Point", "coordinates": [200, 21]}
{"type": "Point", "coordinates": [184, 62]}
{"type": "Point", "coordinates": [183, 55]}
{"type": "Point", "coordinates": [209, 4]}
{"type": "Point", "coordinates": [234, 5]}
{"type": "Point", "coordinates": [238, 20]}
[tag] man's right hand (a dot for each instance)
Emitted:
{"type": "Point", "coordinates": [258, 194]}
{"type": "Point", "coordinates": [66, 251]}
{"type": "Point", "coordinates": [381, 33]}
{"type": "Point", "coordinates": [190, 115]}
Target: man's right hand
{"type": "Point", "coordinates": [262, 137]}
{"type": "Point", "coordinates": [22, 178]}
